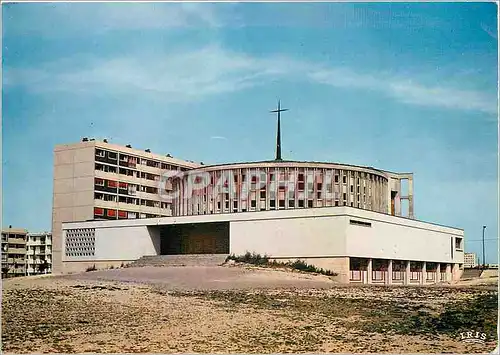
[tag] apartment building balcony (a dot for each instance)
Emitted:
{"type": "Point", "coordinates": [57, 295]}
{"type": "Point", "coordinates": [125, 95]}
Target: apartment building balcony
{"type": "Point", "coordinates": [147, 196]}
{"type": "Point", "coordinates": [38, 262]}
{"type": "Point", "coordinates": [16, 240]}
{"type": "Point", "coordinates": [37, 243]}
{"type": "Point", "coordinates": [143, 209]}
{"type": "Point", "coordinates": [149, 169]}
{"type": "Point", "coordinates": [16, 261]}
{"type": "Point", "coordinates": [16, 251]}
{"type": "Point", "coordinates": [128, 179]}
{"type": "Point", "coordinates": [107, 204]}
{"type": "Point", "coordinates": [18, 271]}
{"type": "Point", "coordinates": [133, 208]}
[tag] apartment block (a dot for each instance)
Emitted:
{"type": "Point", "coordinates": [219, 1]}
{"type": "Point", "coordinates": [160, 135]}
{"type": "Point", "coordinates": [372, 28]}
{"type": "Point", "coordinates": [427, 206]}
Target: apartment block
{"type": "Point", "coordinates": [39, 253]}
{"type": "Point", "coordinates": [97, 180]}
{"type": "Point", "coordinates": [13, 252]}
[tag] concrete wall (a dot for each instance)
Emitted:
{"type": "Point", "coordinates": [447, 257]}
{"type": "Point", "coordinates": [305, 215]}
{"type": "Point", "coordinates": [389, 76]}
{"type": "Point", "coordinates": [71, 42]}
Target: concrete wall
{"type": "Point", "coordinates": [289, 238]}
{"type": "Point", "coordinates": [395, 239]}
{"type": "Point", "coordinates": [125, 244]}
{"type": "Point", "coordinates": [73, 195]}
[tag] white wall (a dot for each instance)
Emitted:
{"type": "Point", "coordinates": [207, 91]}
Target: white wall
{"type": "Point", "coordinates": [399, 241]}
{"type": "Point", "coordinates": [299, 237]}
{"type": "Point", "coordinates": [125, 243]}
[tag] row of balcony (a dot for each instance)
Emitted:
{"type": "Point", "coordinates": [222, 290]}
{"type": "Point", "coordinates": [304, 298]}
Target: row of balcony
{"type": "Point", "coordinates": [131, 179]}
{"type": "Point", "coordinates": [133, 208]}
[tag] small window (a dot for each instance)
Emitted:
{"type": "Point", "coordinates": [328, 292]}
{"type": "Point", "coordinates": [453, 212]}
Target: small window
{"type": "Point", "coordinates": [291, 203]}
{"type": "Point", "coordinates": [336, 178]}
{"type": "Point", "coordinates": [344, 179]}
{"type": "Point", "coordinates": [310, 203]}
{"type": "Point", "coordinates": [359, 223]}
{"type": "Point", "coordinates": [253, 203]}
{"type": "Point", "coordinates": [301, 203]}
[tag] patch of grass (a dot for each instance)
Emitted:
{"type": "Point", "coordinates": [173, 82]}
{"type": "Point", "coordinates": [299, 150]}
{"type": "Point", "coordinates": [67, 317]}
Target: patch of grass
{"type": "Point", "coordinates": [249, 258]}
{"type": "Point", "coordinates": [299, 265]}
{"type": "Point", "coordinates": [91, 268]}
{"type": "Point", "coordinates": [476, 314]}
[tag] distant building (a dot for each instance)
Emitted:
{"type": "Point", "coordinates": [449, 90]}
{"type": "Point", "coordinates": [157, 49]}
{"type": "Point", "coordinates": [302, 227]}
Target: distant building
{"type": "Point", "coordinates": [13, 252]}
{"type": "Point", "coordinates": [39, 253]}
{"type": "Point", "coordinates": [470, 260]}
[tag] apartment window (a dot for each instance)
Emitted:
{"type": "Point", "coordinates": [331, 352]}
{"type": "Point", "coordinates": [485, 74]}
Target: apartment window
{"type": "Point", "coordinates": [99, 182]}
{"type": "Point", "coordinates": [301, 203]}
{"type": "Point", "coordinates": [291, 203]}
{"type": "Point", "coordinates": [100, 153]}
{"type": "Point", "coordinates": [309, 203]}
{"type": "Point", "coordinates": [253, 203]}
{"type": "Point", "coordinates": [458, 243]}
{"type": "Point", "coordinates": [263, 194]}
{"type": "Point", "coordinates": [352, 188]}
{"type": "Point", "coordinates": [336, 203]}
{"type": "Point", "coordinates": [344, 179]}
{"type": "Point", "coordinates": [112, 155]}
{"type": "Point", "coordinates": [344, 196]}
{"type": "Point", "coordinates": [272, 203]}
{"type": "Point", "coordinates": [336, 178]}
{"type": "Point", "coordinates": [282, 203]}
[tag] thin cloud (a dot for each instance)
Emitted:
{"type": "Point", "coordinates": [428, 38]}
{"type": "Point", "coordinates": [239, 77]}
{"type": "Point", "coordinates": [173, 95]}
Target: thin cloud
{"type": "Point", "coordinates": [48, 19]}
{"type": "Point", "coordinates": [408, 91]}
{"type": "Point", "coordinates": [218, 138]}
{"type": "Point", "coordinates": [209, 71]}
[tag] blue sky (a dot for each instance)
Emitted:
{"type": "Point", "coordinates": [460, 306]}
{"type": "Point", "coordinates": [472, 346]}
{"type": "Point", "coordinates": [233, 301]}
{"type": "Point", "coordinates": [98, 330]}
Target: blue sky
{"type": "Point", "coordinates": [401, 87]}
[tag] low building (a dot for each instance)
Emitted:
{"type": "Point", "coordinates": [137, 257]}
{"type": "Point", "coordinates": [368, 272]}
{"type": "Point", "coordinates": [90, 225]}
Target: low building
{"type": "Point", "coordinates": [39, 253]}
{"type": "Point", "coordinates": [470, 260]}
{"type": "Point", "coordinates": [361, 246]}
{"type": "Point", "coordinates": [13, 252]}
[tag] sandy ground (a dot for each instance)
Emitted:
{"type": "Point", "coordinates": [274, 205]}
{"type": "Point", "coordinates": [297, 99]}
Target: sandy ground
{"type": "Point", "coordinates": [220, 310]}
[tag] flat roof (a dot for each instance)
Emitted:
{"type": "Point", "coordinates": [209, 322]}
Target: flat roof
{"type": "Point", "coordinates": [265, 215]}
{"type": "Point", "coordinates": [278, 162]}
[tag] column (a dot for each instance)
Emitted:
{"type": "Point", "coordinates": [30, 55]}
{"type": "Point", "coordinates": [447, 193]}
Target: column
{"type": "Point", "coordinates": [389, 273]}
{"type": "Point", "coordinates": [369, 272]}
{"type": "Point", "coordinates": [455, 273]}
{"type": "Point", "coordinates": [438, 273]}
{"type": "Point", "coordinates": [448, 272]}
{"type": "Point", "coordinates": [407, 274]}
{"type": "Point", "coordinates": [424, 274]}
